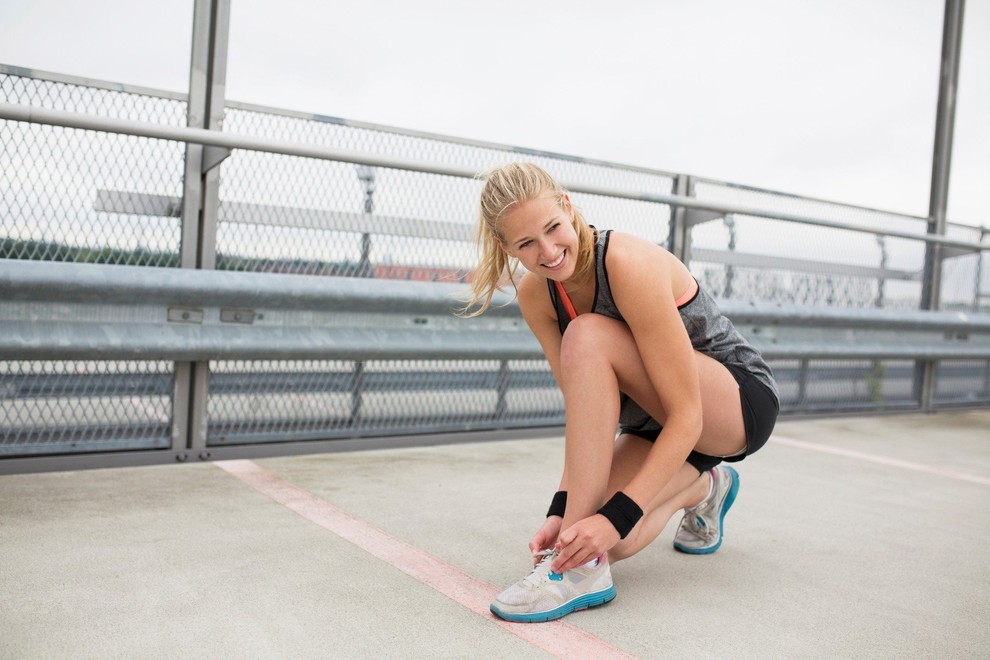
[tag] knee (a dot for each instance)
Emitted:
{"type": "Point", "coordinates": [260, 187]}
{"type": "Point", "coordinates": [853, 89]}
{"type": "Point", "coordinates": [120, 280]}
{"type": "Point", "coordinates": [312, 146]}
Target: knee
{"type": "Point", "coordinates": [584, 337]}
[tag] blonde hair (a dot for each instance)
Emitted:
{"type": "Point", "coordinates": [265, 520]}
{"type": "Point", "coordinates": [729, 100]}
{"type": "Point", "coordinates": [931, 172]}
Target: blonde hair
{"type": "Point", "coordinates": [507, 186]}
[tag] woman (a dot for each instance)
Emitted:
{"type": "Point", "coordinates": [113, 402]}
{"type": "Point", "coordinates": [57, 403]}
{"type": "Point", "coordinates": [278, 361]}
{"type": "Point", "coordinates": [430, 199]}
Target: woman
{"type": "Point", "coordinates": [632, 342]}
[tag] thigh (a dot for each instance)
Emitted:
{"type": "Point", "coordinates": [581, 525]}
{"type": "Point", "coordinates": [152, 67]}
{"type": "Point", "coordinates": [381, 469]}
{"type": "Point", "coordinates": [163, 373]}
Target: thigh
{"type": "Point", "coordinates": [723, 432]}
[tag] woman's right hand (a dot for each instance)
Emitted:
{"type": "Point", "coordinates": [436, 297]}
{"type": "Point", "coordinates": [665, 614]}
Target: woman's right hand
{"type": "Point", "coordinates": [546, 536]}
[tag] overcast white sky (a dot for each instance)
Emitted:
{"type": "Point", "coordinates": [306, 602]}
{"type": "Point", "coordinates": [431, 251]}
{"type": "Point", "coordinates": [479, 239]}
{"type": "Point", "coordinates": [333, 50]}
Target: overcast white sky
{"type": "Point", "coordinates": [829, 98]}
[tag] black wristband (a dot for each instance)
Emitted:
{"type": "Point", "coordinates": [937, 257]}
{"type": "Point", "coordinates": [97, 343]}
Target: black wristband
{"type": "Point", "coordinates": [622, 512]}
{"type": "Point", "coordinates": [558, 504]}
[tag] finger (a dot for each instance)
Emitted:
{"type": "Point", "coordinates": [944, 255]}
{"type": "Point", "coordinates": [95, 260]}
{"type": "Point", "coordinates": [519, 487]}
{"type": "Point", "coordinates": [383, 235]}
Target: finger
{"type": "Point", "coordinates": [577, 559]}
{"type": "Point", "coordinates": [565, 556]}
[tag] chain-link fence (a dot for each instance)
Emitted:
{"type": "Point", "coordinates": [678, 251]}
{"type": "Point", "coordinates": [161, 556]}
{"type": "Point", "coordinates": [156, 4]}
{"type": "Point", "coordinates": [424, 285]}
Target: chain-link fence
{"type": "Point", "coordinates": [828, 266]}
{"type": "Point", "coordinates": [50, 177]}
{"type": "Point", "coordinates": [86, 196]}
{"type": "Point", "coordinates": [84, 406]}
{"type": "Point", "coordinates": [265, 401]}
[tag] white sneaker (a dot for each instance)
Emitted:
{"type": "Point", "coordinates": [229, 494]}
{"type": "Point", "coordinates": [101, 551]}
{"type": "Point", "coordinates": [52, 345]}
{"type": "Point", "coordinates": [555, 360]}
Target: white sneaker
{"type": "Point", "coordinates": [544, 595]}
{"type": "Point", "coordinates": [701, 528]}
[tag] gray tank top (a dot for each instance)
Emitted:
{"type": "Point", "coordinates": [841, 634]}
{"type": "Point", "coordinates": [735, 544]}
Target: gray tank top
{"type": "Point", "coordinates": [710, 331]}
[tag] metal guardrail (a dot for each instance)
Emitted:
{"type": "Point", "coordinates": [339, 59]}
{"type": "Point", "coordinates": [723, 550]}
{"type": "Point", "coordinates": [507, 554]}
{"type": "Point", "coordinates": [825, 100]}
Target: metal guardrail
{"type": "Point", "coordinates": [217, 315]}
{"type": "Point", "coordinates": [120, 315]}
{"type": "Point", "coordinates": [189, 315]}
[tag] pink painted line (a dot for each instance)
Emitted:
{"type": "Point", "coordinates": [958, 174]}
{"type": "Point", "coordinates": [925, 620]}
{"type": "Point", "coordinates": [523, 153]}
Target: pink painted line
{"type": "Point", "coordinates": [557, 638]}
{"type": "Point", "coordinates": [882, 460]}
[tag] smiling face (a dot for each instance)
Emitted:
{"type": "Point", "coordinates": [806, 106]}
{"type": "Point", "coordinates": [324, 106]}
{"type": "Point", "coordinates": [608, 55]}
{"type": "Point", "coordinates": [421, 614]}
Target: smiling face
{"type": "Point", "coordinates": [540, 234]}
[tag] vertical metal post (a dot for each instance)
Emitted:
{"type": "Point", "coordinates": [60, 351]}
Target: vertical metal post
{"type": "Point", "coordinates": [882, 280]}
{"type": "Point", "coordinates": [502, 404]}
{"type": "Point", "coordinates": [366, 175]}
{"type": "Point", "coordinates": [357, 393]}
{"type": "Point", "coordinates": [205, 108]}
{"type": "Point", "coordinates": [678, 235]}
{"type": "Point", "coordinates": [941, 162]}
{"type": "Point", "coordinates": [981, 258]}
{"type": "Point", "coordinates": [181, 380]}
{"type": "Point", "coordinates": [730, 272]}
{"type": "Point", "coordinates": [802, 396]}
{"type": "Point", "coordinates": [200, 194]}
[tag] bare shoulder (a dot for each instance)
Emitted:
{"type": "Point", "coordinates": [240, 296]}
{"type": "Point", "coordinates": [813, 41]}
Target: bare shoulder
{"type": "Point", "coordinates": [635, 264]}
{"type": "Point", "coordinates": [534, 299]}
{"type": "Point", "coordinates": [631, 260]}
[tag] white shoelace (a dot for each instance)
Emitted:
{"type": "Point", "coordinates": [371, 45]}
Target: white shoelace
{"type": "Point", "coordinates": [542, 570]}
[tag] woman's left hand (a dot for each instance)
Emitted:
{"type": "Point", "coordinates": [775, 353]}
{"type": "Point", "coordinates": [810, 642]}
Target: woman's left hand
{"type": "Point", "coordinates": [583, 541]}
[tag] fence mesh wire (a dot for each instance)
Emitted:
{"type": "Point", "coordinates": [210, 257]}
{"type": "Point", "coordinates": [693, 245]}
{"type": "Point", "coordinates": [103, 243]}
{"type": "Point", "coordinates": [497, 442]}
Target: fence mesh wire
{"type": "Point", "coordinates": [962, 382]}
{"type": "Point", "coordinates": [287, 214]}
{"type": "Point", "coordinates": [265, 401]}
{"type": "Point", "coordinates": [52, 178]}
{"type": "Point", "coordinates": [81, 406]}
{"type": "Point", "coordinates": [823, 266]}
{"type": "Point", "coordinates": [72, 195]}
{"type": "Point", "coordinates": [822, 386]}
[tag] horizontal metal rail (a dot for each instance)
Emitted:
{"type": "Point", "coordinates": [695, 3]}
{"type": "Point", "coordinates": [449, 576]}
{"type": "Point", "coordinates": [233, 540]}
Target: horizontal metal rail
{"type": "Point", "coordinates": [57, 386]}
{"type": "Point", "coordinates": [164, 206]}
{"type": "Point", "coordinates": [769, 262]}
{"type": "Point", "coordinates": [111, 284]}
{"type": "Point", "coordinates": [128, 88]}
{"type": "Point", "coordinates": [230, 141]}
{"type": "Point", "coordinates": [146, 204]}
{"type": "Point", "coordinates": [68, 282]}
{"type": "Point", "coordinates": [47, 313]}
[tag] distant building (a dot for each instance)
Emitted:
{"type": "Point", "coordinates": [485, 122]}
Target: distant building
{"type": "Point", "coordinates": [419, 273]}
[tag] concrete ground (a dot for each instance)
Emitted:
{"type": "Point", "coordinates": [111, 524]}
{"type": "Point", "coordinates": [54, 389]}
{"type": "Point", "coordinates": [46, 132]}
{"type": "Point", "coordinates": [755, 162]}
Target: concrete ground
{"type": "Point", "coordinates": [854, 537]}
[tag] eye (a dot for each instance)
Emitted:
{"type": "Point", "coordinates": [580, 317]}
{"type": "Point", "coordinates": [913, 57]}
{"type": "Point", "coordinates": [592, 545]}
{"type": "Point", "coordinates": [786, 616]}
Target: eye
{"type": "Point", "coordinates": [553, 227]}
{"type": "Point", "coordinates": [525, 244]}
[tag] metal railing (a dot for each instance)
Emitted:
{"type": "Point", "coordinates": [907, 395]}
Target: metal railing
{"type": "Point", "coordinates": [189, 361]}
{"type": "Point", "coordinates": [367, 338]}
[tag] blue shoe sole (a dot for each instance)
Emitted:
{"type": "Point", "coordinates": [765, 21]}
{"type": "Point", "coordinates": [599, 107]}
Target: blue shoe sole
{"type": "Point", "coordinates": [729, 499]}
{"type": "Point", "coordinates": [580, 603]}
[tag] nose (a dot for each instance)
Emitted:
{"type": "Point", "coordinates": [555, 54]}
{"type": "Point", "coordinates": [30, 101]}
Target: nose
{"type": "Point", "coordinates": [546, 249]}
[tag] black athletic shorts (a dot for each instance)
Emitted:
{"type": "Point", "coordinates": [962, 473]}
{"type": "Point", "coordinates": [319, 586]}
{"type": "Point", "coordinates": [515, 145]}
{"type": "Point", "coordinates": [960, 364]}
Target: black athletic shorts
{"type": "Point", "coordinates": [759, 411]}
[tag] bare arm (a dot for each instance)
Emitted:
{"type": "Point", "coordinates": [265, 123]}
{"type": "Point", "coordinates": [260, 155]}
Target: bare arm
{"type": "Point", "coordinates": [540, 316]}
{"type": "Point", "coordinates": [534, 301]}
{"type": "Point", "coordinates": [638, 266]}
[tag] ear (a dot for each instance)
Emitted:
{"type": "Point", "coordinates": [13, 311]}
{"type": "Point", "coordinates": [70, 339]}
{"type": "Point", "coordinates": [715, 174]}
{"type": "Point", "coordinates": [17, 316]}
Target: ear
{"type": "Point", "coordinates": [500, 243]}
{"type": "Point", "coordinates": [568, 207]}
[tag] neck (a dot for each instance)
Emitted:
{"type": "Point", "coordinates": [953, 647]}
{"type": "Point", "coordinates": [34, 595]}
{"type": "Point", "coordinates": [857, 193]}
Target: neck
{"type": "Point", "coordinates": [575, 283]}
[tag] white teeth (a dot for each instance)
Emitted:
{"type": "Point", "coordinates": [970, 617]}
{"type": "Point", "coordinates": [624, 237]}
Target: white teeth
{"type": "Point", "coordinates": [557, 262]}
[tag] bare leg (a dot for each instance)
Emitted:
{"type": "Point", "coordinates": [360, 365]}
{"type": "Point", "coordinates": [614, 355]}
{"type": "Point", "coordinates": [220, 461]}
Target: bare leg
{"type": "Point", "coordinates": [686, 489]}
{"type": "Point", "coordinates": [598, 358]}
{"type": "Point", "coordinates": [591, 403]}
